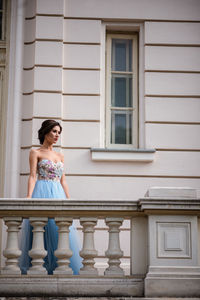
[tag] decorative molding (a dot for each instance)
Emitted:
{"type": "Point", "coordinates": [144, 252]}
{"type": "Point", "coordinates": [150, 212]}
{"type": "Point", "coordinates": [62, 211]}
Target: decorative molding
{"type": "Point", "coordinates": [106, 154]}
{"type": "Point", "coordinates": [173, 240]}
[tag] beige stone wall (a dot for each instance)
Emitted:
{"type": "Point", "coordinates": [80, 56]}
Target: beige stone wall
{"type": "Point", "coordinates": [64, 79]}
{"type": "Point", "coordinates": [64, 74]}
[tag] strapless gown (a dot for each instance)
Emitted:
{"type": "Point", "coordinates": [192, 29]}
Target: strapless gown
{"type": "Point", "coordinates": [48, 186]}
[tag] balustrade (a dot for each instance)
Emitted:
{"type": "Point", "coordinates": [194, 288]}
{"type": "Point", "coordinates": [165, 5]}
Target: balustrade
{"type": "Point", "coordinates": [12, 252]}
{"type": "Point", "coordinates": [63, 252]}
{"type": "Point", "coordinates": [164, 246]}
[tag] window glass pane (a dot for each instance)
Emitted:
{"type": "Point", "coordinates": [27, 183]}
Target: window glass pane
{"type": "Point", "coordinates": [1, 4]}
{"type": "Point", "coordinates": [121, 127]}
{"type": "Point", "coordinates": [121, 90]}
{"type": "Point", "coordinates": [121, 55]}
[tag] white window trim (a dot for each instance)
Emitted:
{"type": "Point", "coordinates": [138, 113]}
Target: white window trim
{"type": "Point", "coordinates": [134, 38]}
{"type": "Point", "coordinates": [142, 155]}
{"type": "Point", "coordinates": [123, 27]}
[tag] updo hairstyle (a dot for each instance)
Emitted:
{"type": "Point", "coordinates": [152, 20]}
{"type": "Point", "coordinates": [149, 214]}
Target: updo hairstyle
{"type": "Point", "coordinates": [46, 128]}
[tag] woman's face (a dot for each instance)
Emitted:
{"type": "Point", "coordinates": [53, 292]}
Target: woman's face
{"type": "Point", "coordinates": [53, 135]}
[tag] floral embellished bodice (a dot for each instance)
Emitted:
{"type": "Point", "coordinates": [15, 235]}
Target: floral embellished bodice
{"type": "Point", "coordinates": [49, 170]}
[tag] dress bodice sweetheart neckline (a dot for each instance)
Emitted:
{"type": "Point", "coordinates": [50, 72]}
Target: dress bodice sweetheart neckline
{"type": "Point", "coordinates": [50, 170]}
{"type": "Point", "coordinates": [46, 159]}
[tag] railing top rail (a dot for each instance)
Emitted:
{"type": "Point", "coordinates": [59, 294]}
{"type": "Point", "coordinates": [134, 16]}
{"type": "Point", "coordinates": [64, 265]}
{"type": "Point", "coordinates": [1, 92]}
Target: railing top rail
{"type": "Point", "coordinates": [127, 208]}
{"type": "Point", "coordinates": [56, 207]}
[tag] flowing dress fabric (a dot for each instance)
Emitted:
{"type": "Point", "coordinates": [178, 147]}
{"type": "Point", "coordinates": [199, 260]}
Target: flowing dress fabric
{"type": "Point", "coordinates": [48, 186]}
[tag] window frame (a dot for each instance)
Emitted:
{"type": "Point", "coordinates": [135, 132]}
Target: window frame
{"type": "Point", "coordinates": [135, 134]}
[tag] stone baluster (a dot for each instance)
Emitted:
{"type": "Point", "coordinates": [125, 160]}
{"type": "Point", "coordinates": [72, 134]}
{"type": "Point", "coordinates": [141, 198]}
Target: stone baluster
{"type": "Point", "coordinates": [63, 252]}
{"type": "Point", "coordinates": [38, 252]}
{"type": "Point", "coordinates": [114, 253]}
{"type": "Point", "coordinates": [88, 251]}
{"type": "Point", "coordinates": [12, 252]}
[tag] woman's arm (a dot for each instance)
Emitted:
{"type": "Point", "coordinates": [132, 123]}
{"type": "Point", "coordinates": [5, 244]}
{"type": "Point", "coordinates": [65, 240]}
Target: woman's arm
{"type": "Point", "coordinates": [33, 170]}
{"type": "Point", "coordinates": [65, 186]}
{"type": "Point", "coordinates": [63, 180]}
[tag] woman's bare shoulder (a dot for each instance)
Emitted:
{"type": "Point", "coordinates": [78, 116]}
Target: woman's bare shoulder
{"type": "Point", "coordinates": [61, 156]}
{"type": "Point", "coordinates": [34, 153]}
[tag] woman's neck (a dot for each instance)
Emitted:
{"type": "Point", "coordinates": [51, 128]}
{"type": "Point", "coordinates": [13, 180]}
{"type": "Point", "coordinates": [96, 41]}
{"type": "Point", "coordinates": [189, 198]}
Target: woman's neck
{"type": "Point", "coordinates": [46, 146]}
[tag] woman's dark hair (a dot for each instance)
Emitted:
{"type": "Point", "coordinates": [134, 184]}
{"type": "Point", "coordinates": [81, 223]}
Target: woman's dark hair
{"type": "Point", "coordinates": [46, 128]}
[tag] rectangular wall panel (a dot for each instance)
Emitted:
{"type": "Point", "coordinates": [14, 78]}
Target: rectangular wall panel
{"type": "Point", "coordinates": [29, 30]}
{"type": "Point", "coordinates": [29, 56]}
{"type": "Point", "coordinates": [27, 104]}
{"type": "Point", "coordinates": [48, 53]}
{"type": "Point", "coordinates": [117, 188]}
{"type": "Point", "coordinates": [172, 109]}
{"type": "Point", "coordinates": [81, 56]}
{"type": "Point", "coordinates": [82, 31]}
{"type": "Point", "coordinates": [172, 32]}
{"type": "Point", "coordinates": [28, 81]}
{"type": "Point", "coordinates": [81, 107]}
{"type": "Point", "coordinates": [48, 79]}
{"type": "Point", "coordinates": [30, 8]}
{"type": "Point", "coordinates": [26, 133]}
{"type": "Point", "coordinates": [172, 84]}
{"type": "Point", "coordinates": [47, 105]}
{"type": "Point", "coordinates": [166, 163]}
{"type": "Point", "coordinates": [133, 9]}
{"type": "Point", "coordinates": [172, 58]}
{"type": "Point", "coordinates": [49, 27]}
{"type": "Point", "coordinates": [80, 134]}
{"type": "Point", "coordinates": [81, 82]}
{"type": "Point", "coordinates": [50, 7]}
{"type": "Point", "coordinates": [170, 136]}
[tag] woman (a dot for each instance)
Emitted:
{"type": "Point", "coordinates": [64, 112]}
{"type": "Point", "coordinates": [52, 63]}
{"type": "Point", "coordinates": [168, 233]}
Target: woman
{"type": "Point", "coordinates": [50, 183]}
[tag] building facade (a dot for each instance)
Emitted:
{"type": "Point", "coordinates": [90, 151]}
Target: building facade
{"type": "Point", "coordinates": [122, 78]}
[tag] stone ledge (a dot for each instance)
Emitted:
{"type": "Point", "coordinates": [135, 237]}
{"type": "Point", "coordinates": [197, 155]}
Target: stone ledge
{"type": "Point", "coordinates": [130, 155]}
{"type": "Point", "coordinates": [26, 285]}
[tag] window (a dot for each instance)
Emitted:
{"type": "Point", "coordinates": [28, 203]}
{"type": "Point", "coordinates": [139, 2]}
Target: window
{"type": "Point", "coordinates": [122, 91]}
{"type": "Point", "coordinates": [2, 19]}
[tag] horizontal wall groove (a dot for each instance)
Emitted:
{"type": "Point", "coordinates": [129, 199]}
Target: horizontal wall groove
{"type": "Point", "coordinates": [172, 122]}
{"type": "Point", "coordinates": [106, 229]}
{"type": "Point", "coordinates": [128, 20]}
{"type": "Point", "coordinates": [88, 148]}
{"type": "Point", "coordinates": [82, 18]}
{"type": "Point", "coordinates": [40, 118]}
{"type": "Point", "coordinates": [83, 120]}
{"type": "Point", "coordinates": [125, 176]}
{"type": "Point", "coordinates": [42, 66]}
{"type": "Point", "coordinates": [44, 15]}
{"type": "Point", "coordinates": [82, 69]}
{"type": "Point", "coordinates": [70, 94]}
{"type": "Point", "coordinates": [29, 43]}
{"type": "Point", "coordinates": [58, 146]}
{"type": "Point", "coordinates": [50, 15]}
{"type": "Point", "coordinates": [30, 18]}
{"type": "Point", "coordinates": [43, 40]}
{"type": "Point", "coordinates": [177, 150]}
{"type": "Point", "coordinates": [81, 43]}
{"type": "Point", "coordinates": [171, 45]}
{"type": "Point", "coordinates": [171, 71]}
{"type": "Point", "coordinates": [172, 96]}
{"type": "Point", "coordinates": [63, 120]}
{"type": "Point", "coordinates": [42, 91]}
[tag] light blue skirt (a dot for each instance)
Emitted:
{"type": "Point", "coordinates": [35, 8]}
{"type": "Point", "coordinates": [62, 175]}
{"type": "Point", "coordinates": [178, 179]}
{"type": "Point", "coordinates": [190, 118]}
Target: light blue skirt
{"type": "Point", "coordinates": [49, 189]}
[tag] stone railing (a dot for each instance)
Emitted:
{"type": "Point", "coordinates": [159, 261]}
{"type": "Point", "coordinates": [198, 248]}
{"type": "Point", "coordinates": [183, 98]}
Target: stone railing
{"type": "Point", "coordinates": [165, 246]}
